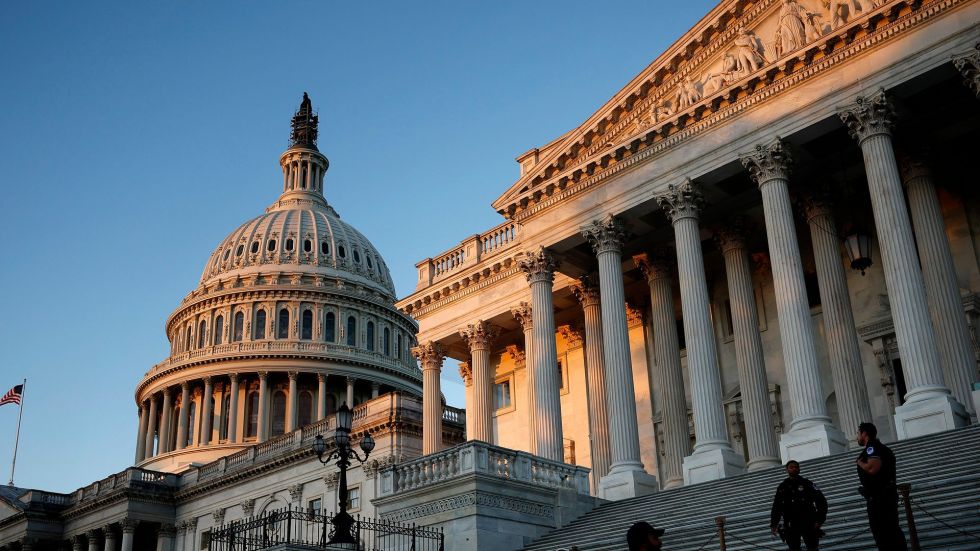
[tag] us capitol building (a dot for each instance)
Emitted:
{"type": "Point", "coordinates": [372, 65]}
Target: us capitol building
{"type": "Point", "coordinates": [766, 237]}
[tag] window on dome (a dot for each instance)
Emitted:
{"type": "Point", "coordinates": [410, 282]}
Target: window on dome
{"type": "Point", "coordinates": [282, 325]}
{"type": "Point", "coordinates": [324, 248]}
{"type": "Point", "coordinates": [370, 336]}
{"type": "Point", "coordinates": [260, 325]}
{"type": "Point", "coordinates": [351, 331]}
{"type": "Point", "coordinates": [202, 331]}
{"type": "Point", "coordinates": [387, 343]}
{"type": "Point", "coordinates": [240, 250]}
{"type": "Point", "coordinates": [342, 252]}
{"type": "Point", "coordinates": [278, 413]}
{"type": "Point", "coordinates": [307, 332]}
{"type": "Point", "coordinates": [330, 328]}
{"type": "Point", "coordinates": [357, 256]}
{"type": "Point", "coordinates": [289, 244]}
{"type": "Point", "coordinates": [252, 414]}
{"type": "Point", "coordinates": [255, 247]}
{"type": "Point", "coordinates": [271, 246]}
{"type": "Point", "coordinates": [219, 328]}
{"type": "Point", "coordinates": [227, 252]}
{"type": "Point", "coordinates": [238, 329]}
{"type": "Point", "coordinates": [307, 246]}
{"type": "Point", "coordinates": [305, 408]}
{"type": "Point", "coordinates": [370, 266]}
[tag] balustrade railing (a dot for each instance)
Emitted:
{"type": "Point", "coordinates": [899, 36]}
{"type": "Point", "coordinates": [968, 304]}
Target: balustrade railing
{"type": "Point", "coordinates": [470, 252]}
{"type": "Point", "coordinates": [121, 480]}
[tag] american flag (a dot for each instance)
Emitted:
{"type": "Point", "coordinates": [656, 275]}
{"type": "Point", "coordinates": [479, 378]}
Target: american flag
{"type": "Point", "coordinates": [12, 396]}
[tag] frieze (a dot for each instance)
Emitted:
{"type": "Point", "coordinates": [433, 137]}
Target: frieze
{"type": "Point", "coordinates": [479, 499]}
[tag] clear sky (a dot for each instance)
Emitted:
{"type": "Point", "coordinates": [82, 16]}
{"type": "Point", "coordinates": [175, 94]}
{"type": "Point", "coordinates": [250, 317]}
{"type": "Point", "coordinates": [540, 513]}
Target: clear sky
{"type": "Point", "coordinates": [135, 136]}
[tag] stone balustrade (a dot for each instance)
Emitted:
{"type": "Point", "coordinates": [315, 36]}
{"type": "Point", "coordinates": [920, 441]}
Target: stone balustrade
{"type": "Point", "coordinates": [469, 253]}
{"type": "Point", "coordinates": [131, 477]}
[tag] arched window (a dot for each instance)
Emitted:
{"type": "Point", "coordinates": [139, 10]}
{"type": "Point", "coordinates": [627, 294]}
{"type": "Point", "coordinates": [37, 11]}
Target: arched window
{"type": "Point", "coordinates": [305, 405]}
{"type": "Point", "coordinates": [282, 325]}
{"type": "Point", "coordinates": [252, 414]}
{"type": "Point", "coordinates": [202, 331]}
{"type": "Point", "coordinates": [219, 328]}
{"type": "Point", "coordinates": [398, 347]}
{"type": "Point", "coordinates": [289, 244]}
{"type": "Point", "coordinates": [351, 331]}
{"type": "Point", "coordinates": [255, 247]}
{"type": "Point", "coordinates": [271, 247]}
{"type": "Point", "coordinates": [238, 328]}
{"type": "Point", "coordinates": [357, 256]}
{"type": "Point", "coordinates": [387, 342]}
{"type": "Point", "coordinates": [225, 412]}
{"type": "Point", "coordinates": [324, 247]}
{"type": "Point", "coordinates": [307, 246]}
{"type": "Point", "coordinates": [307, 332]}
{"type": "Point", "coordinates": [260, 325]}
{"type": "Point", "coordinates": [278, 413]}
{"type": "Point", "coordinates": [370, 336]}
{"type": "Point", "coordinates": [330, 328]}
{"type": "Point", "coordinates": [191, 417]}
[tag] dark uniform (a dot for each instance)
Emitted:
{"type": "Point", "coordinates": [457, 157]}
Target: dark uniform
{"type": "Point", "coordinates": [881, 493]}
{"type": "Point", "coordinates": [800, 504]}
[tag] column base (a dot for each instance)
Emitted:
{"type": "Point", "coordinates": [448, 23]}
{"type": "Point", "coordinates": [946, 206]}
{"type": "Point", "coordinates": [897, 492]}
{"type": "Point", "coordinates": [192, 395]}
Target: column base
{"type": "Point", "coordinates": [762, 463]}
{"type": "Point", "coordinates": [929, 416]}
{"type": "Point", "coordinates": [811, 442]}
{"type": "Point", "coordinates": [976, 403]}
{"type": "Point", "coordinates": [625, 483]}
{"type": "Point", "coordinates": [712, 465]}
{"type": "Point", "coordinates": [673, 483]}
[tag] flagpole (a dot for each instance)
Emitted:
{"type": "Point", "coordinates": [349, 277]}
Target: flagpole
{"type": "Point", "coordinates": [20, 415]}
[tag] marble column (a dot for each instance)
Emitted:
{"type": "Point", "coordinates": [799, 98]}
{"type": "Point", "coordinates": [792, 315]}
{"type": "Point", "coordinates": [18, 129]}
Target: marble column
{"type": "Point", "coordinates": [522, 313]}
{"type": "Point", "coordinates": [128, 527]}
{"type": "Point", "coordinates": [291, 399]}
{"type": "Point", "coordinates": [760, 434]}
{"type": "Point", "coordinates": [263, 432]}
{"type": "Point", "coordinates": [626, 476]}
{"type": "Point", "coordinates": [191, 538]}
{"type": "Point", "coordinates": [350, 392]}
{"type": "Point", "coordinates": [587, 294]}
{"type": "Point", "coordinates": [165, 537]}
{"type": "Point", "coordinates": [207, 412]}
{"type": "Point", "coordinates": [141, 433]}
{"type": "Point", "coordinates": [430, 356]}
{"type": "Point", "coordinates": [233, 409]}
{"type": "Point", "coordinates": [928, 406]}
{"type": "Point", "coordinates": [321, 396]}
{"type": "Point", "coordinates": [179, 542]}
{"type": "Point", "coordinates": [151, 427]}
{"type": "Point", "coordinates": [539, 268]}
{"type": "Point", "coordinates": [375, 390]}
{"type": "Point", "coordinates": [93, 540]}
{"type": "Point", "coordinates": [480, 337]}
{"type": "Point", "coordinates": [942, 285]}
{"type": "Point", "coordinates": [969, 66]}
{"type": "Point", "coordinates": [185, 400]}
{"type": "Point", "coordinates": [843, 349]}
{"type": "Point", "coordinates": [110, 538]}
{"type": "Point", "coordinates": [713, 456]}
{"type": "Point", "coordinates": [658, 269]}
{"type": "Point", "coordinates": [165, 421]}
{"type": "Point", "coordinates": [77, 542]}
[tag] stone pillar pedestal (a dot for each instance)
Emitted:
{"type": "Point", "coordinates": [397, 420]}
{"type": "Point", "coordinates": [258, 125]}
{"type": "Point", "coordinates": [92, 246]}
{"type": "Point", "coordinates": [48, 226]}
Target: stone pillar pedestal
{"type": "Point", "coordinates": [587, 293]}
{"type": "Point", "coordinates": [430, 356]}
{"type": "Point", "coordinates": [480, 337]}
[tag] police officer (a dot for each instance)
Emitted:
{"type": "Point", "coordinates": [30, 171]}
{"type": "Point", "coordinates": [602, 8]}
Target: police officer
{"type": "Point", "coordinates": [802, 508]}
{"type": "Point", "coordinates": [876, 470]}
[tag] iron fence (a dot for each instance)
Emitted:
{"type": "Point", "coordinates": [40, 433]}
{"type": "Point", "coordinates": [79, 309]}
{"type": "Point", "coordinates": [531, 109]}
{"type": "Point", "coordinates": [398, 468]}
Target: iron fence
{"type": "Point", "coordinates": [310, 529]}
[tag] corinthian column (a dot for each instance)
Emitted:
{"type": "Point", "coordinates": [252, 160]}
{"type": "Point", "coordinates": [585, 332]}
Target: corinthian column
{"type": "Point", "coordinates": [969, 65]}
{"type": "Point", "coordinates": [128, 527]}
{"type": "Point", "coordinates": [480, 337]}
{"type": "Point", "coordinates": [587, 293]}
{"type": "Point", "coordinates": [185, 400]}
{"type": "Point", "coordinates": [942, 286]}
{"type": "Point", "coordinates": [667, 355]}
{"type": "Point", "coordinates": [207, 412]}
{"type": "Point", "coordinates": [291, 417]}
{"type": "Point", "coordinates": [233, 409]}
{"type": "Point", "coordinates": [811, 433]}
{"type": "Point", "coordinates": [759, 433]}
{"type": "Point", "coordinates": [713, 456]}
{"type": "Point", "coordinates": [430, 356]}
{"type": "Point", "coordinates": [166, 414]}
{"type": "Point", "coordinates": [929, 408]}
{"type": "Point", "coordinates": [151, 427]}
{"type": "Point", "coordinates": [539, 267]}
{"type": "Point", "coordinates": [626, 476]}
{"type": "Point", "coordinates": [263, 432]}
{"type": "Point", "coordinates": [522, 313]}
{"type": "Point", "coordinates": [321, 396]}
{"type": "Point", "coordinates": [838, 318]}
{"type": "Point", "coordinates": [141, 433]}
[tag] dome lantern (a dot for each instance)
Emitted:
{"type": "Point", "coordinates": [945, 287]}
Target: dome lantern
{"type": "Point", "coordinates": [303, 166]}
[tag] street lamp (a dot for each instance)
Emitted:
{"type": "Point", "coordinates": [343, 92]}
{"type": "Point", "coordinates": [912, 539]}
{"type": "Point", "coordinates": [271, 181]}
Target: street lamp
{"type": "Point", "coordinates": [342, 521]}
{"type": "Point", "coordinates": [858, 247]}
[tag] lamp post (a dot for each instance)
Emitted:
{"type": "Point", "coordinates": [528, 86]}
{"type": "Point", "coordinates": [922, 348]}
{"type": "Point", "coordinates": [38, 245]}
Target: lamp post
{"type": "Point", "coordinates": [858, 247]}
{"type": "Point", "coordinates": [342, 521]}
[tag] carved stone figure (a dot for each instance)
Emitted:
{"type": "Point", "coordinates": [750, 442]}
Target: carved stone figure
{"type": "Point", "coordinates": [687, 93]}
{"type": "Point", "coordinates": [748, 52]}
{"type": "Point", "coordinates": [845, 10]}
{"type": "Point", "coordinates": [716, 81]}
{"type": "Point", "coordinates": [661, 111]}
{"type": "Point", "coordinates": [796, 25]}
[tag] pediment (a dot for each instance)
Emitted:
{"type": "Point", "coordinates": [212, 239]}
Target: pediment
{"type": "Point", "coordinates": [737, 49]}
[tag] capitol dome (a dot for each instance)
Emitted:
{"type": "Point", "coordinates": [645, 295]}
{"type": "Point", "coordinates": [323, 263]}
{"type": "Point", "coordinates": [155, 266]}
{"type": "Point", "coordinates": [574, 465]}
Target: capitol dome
{"type": "Point", "coordinates": [293, 315]}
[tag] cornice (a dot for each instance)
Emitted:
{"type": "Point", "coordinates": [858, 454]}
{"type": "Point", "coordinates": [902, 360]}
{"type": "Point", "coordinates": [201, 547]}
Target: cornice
{"type": "Point", "coordinates": [415, 306]}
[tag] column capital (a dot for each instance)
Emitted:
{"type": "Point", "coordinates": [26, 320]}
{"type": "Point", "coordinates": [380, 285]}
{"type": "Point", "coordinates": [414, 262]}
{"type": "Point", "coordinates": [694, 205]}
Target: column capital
{"type": "Point", "coordinates": [518, 355]}
{"type": "Point", "coordinates": [248, 507]}
{"type": "Point", "coordinates": [586, 291]}
{"type": "Point", "coordinates": [293, 375]}
{"type": "Point", "coordinates": [233, 377]}
{"type": "Point", "coordinates": [128, 525]}
{"type": "Point", "coordinates": [538, 266]}
{"type": "Point", "coordinates": [208, 379]}
{"type": "Point", "coordinates": [816, 205]}
{"type": "Point", "coordinates": [681, 201]}
{"type": "Point", "coordinates": [167, 530]}
{"type": "Point", "coordinates": [166, 392]}
{"type": "Point", "coordinates": [658, 264]}
{"type": "Point", "coordinates": [154, 398]}
{"type": "Point", "coordinates": [429, 354]}
{"type": "Point", "coordinates": [480, 335]}
{"type": "Point", "coordinates": [912, 167]}
{"type": "Point", "coordinates": [969, 66]}
{"type": "Point", "coordinates": [185, 386]}
{"type": "Point", "coordinates": [732, 235]}
{"type": "Point", "coordinates": [868, 116]}
{"type": "Point", "coordinates": [108, 533]}
{"type": "Point", "coordinates": [634, 316]}
{"type": "Point", "coordinates": [605, 234]}
{"type": "Point", "coordinates": [92, 535]}
{"type": "Point", "coordinates": [522, 313]}
{"type": "Point", "coordinates": [768, 162]}
{"type": "Point", "coordinates": [321, 377]}
{"type": "Point", "coordinates": [263, 375]}
{"type": "Point", "coordinates": [571, 334]}
{"type": "Point", "coordinates": [466, 372]}
{"type": "Point", "coordinates": [181, 526]}
{"type": "Point", "coordinates": [350, 380]}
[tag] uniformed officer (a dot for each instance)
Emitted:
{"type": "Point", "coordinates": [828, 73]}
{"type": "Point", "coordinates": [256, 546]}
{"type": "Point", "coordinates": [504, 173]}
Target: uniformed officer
{"type": "Point", "coordinates": [876, 470]}
{"type": "Point", "coordinates": [802, 508]}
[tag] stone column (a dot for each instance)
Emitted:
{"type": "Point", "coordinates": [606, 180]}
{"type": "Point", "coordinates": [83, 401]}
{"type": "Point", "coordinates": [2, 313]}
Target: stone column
{"type": "Point", "coordinates": [321, 396]}
{"type": "Point", "coordinates": [969, 65]}
{"type": "Point", "coordinates": [587, 294]}
{"type": "Point", "coordinates": [207, 412]}
{"type": "Point", "coordinates": [713, 456]}
{"type": "Point", "coordinates": [480, 337]}
{"type": "Point", "coordinates": [185, 400]}
{"type": "Point", "coordinates": [291, 399]}
{"type": "Point", "coordinates": [842, 337]}
{"type": "Point", "coordinates": [942, 286]}
{"type": "Point", "coordinates": [192, 533]}
{"type": "Point", "coordinates": [165, 537]}
{"type": "Point", "coordinates": [811, 433]}
{"type": "Point", "coordinates": [522, 313]}
{"type": "Point", "coordinates": [110, 538]}
{"type": "Point", "coordinates": [151, 427]}
{"type": "Point", "coordinates": [430, 356]}
{"type": "Point", "coordinates": [539, 267]}
{"type": "Point", "coordinates": [165, 421]}
{"type": "Point", "coordinates": [626, 476]}
{"type": "Point", "coordinates": [77, 542]}
{"type": "Point", "coordinates": [928, 406]}
{"type": "Point", "coordinates": [350, 392]}
{"type": "Point", "coordinates": [93, 540]}
{"type": "Point", "coordinates": [128, 527]}
{"type": "Point", "coordinates": [141, 433]}
{"type": "Point", "coordinates": [263, 432]}
{"type": "Point", "coordinates": [233, 409]}
{"type": "Point", "coordinates": [756, 411]}
{"type": "Point", "coordinates": [375, 390]}
{"type": "Point", "coordinates": [658, 270]}
{"type": "Point", "coordinates": [179, 542]}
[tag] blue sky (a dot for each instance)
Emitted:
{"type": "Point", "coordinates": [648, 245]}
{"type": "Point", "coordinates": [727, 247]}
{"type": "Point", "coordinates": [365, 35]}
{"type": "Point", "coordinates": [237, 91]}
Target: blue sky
{"type": "Point", "coordinates": [135, 136]}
